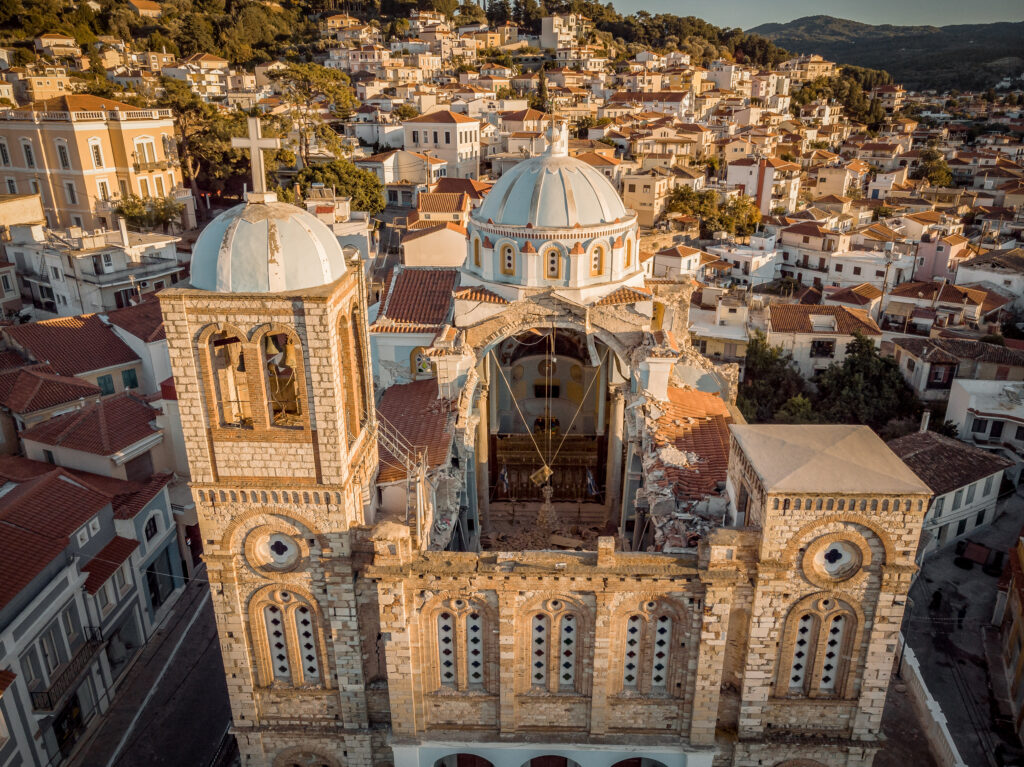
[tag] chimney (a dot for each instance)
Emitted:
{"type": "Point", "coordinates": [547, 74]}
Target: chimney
{"type": "Point", "coordinates": [124, 230]}
{"type": "Point", "coordinates": [926, 416]}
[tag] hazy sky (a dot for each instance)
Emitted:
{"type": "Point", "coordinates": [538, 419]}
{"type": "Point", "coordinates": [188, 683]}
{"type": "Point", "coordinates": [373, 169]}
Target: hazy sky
{"type": "Point", "coordinates": [750, 13]}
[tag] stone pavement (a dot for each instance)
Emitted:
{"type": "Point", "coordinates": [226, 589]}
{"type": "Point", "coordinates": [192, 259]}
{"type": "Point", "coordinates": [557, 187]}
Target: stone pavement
{"type": "Point", "coordinates": [947, 624]}
{"type": "Point", "coordinates": [172, 709]}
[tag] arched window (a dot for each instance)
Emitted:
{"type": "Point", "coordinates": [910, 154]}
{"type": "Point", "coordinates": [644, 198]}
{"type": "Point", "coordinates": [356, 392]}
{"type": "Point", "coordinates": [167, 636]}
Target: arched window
{"type": "Point", "coordinates": [647, 650]}
{"type": "Point", "coordinates": [597, 261]}
{"type": "Point", "coordinates": [350, 395]}
{"type": "Point", "coordinates": [629, 253]}
{"type": "Point", "coordinates": [461, 646]}
{"type": "Point", "coordinates": [29, 152]}
{"type": "Point", "coordinates": [420, 364]}
{"type": "Point", "coordinates": [292, 641]}
{"type": "Point", "coordinates": [508, 259]}
{"type": "Point", "coordinates": [63, 156]}
{"type": "Point", "coordinates": [231, 387]}
{"type": "Point", "coordinates": [282, 359]}
{"type": "Point", "coordinates": [5, 153]}
{"type": "Point", "coordinates": [556, 642]}
{"type": "Point", "coordinates": [819, 640]}
{"type": "Point", "coordinates": [96, 152]}
{"type": "Point", "coordinates": [362, 366]}
{"type": "Point", "coordinates": [476, 252]}
{"type": "Point", "coordinates": [552, 264]}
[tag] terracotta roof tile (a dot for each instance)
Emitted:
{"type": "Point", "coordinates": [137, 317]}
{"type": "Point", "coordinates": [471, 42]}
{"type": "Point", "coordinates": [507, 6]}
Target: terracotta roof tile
{"type": "Point", "coordinates": [72, 345]}
{"type": "Point", "coordinates": [478, 293]}
{"type": "Point", "coordinates": [796, 318]}
{"type": "Point", "coordinates": [943, 463]}
{"type": "Point", "coordinates": [419, 415]}
{"type": "Point", "coordinates": [697, 424]}
{"type": "Point", "coordinates": [23, 555]}
{"type": "Point", "coordinates": [624, 295]}
{"type": "Point", "coordinates": [106, 562]}
{"type": "Point", "coordinates": [442, 202]}
{"type": "Point", "coordinates": [127, 505]}
{"type": "Point", "coordinates": [418, 296]}
{"type": "Point", "coordinates": [36, 387]}
{"type": "Point", "coordinates": [143, 320]}
{"type": "Point", "coordinates": [102, 428]}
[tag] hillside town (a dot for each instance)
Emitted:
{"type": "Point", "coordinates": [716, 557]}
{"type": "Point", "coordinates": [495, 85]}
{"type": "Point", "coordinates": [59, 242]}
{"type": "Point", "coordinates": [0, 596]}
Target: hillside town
{"type": "Point", "coordinates": [475, 388]}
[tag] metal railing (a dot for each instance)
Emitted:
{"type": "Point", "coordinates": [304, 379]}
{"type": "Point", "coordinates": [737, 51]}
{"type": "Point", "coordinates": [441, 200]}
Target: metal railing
{"type": "Point", "coordinates": [50, 698]}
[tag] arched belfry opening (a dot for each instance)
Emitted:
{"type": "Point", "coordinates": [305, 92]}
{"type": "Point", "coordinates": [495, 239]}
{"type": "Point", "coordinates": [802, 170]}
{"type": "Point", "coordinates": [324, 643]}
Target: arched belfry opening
{"type": "Point", "coordinates": [550, 416]}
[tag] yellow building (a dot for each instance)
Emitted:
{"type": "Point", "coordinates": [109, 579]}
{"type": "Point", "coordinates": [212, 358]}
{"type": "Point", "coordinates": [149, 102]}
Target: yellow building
{"type": "Point", "coordinates": [82, 153]}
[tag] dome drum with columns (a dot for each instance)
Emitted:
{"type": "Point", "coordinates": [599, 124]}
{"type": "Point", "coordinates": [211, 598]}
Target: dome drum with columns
{"type": "Point", "coordinates": [553, 222]}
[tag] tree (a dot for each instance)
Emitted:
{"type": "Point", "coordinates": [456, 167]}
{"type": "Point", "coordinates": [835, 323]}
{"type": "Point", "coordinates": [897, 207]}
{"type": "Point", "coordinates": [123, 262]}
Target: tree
{"type": "Point", "coordinates": [149, 213]}
{"type": "Point", "coordinates": [499, 12]}
{"type": "Point", "coordinates": [771, 381]}
{"type": "Point", "coordinates": [865, 388]}
{"type": "Point", "coordinates": [933, 168]}
{"type": "Point", "coordinates": [347, 180]}
{"type": "Point", "coordinates": [404, 112]}
{"type": "Point", "coordinates": [798, 409]}
{"type": "Point", "coordinates": [539, 98]}
{"type": "Point", "coordinates": [447, 7]}
{"type": "Point", "coordinates": [469, 13]}
{"type": "Point", "coordinates": [309, 89]}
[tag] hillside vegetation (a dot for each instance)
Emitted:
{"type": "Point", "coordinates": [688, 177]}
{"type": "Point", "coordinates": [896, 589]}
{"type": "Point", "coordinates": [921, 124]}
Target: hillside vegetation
{"type": "Point", "coordinates": [964, 56]}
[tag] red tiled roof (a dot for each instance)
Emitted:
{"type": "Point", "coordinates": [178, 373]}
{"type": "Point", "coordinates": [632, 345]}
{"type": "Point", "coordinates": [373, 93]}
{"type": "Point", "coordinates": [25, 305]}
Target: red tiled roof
{"type": "Point", "coordinates": [624, 295]}
{"type": "Point", "coordinates": [72, 345]}
{"type": "Point", "coordinates": [474, 189]}
{"type": "Point", "coordinates": [102, 428]}
{"type": "Point", "coordinates": [442, 116]}
{"type": "Point", "coordinates": [796, 318]}
{"type": "Point", "coordinates": [442, 202]}
{"type": "Point", "coordinates": [143, 320]}
{"type": "Point", "coordinates": [860, 295]}
{"type": "Point", "coordinates": [417, 296]}
{"type": "Point", "coordinates": [127, 505]}
{"type": "Point", "coordinates": [425, 420]}
{"type": "Point", "coordinates": [10, 359]}
{"type": "Point", "coordinates": [945, 464]}
{"type": "Point", "coordinates": [23, 555]}
{"type": "Point", "coordinates": [104, 564]}
{"type": "Point", "coordinates": [696, 423]}
{"type": "Point", "coordinates": [79, 102]}
{"type": "Point", "coordinates": [479, 293]}
{"type": "Point", "coordinates": [36, 387]}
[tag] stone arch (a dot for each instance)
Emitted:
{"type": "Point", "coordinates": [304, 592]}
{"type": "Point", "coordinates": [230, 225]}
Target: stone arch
{"type": "Point", "coordinates": [267, 340]}
{"type": "Point", "coordinates": [799, 763]}
{"type": "Point", "coordinates": [636, 623]}
{"type": "Point", "coordinates": [562, 612]}
{"type": "Point", "coordinates": [801, 537]}
{"type": "Point", "coordinates": [243, 524]}
{"type": "Point", "coordinates": [269, 596]}
{"type": "Point", "coordinates": [463, 759]}
{"type": "Point", "coordinates": [227, 387]}
{"type": "Point", "coordinates": [823, 607]}
{"type": "Point", "coordinates": [461, 607]}
{"type": "Point", "coordinates": [639, 761]}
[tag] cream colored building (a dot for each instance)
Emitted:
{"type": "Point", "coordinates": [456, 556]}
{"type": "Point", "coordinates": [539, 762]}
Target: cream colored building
{"type": "Point", "coordinates": [758, 628]}
{"type": "Point", "coordinates": [82, 153]}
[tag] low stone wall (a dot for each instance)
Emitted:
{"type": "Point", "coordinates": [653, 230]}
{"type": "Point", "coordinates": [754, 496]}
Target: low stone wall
{"type": "Point", "coordinates": [932, 719]}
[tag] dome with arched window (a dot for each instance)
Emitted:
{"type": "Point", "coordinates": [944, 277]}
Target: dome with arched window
{"type": "Point", "coordinates": [266, 247]}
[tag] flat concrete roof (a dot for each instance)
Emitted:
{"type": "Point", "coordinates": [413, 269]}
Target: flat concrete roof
{"type": "Point", "coordinates": [825, 459]}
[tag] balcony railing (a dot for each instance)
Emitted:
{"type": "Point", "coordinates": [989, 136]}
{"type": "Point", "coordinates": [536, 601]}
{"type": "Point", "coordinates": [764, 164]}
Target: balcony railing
{"type": "Point", "coordinates": [60, 116]}
{"type": "Point", "coordinates": [155, 165]}
{"type": "Point", "coordinates": [61, 683]}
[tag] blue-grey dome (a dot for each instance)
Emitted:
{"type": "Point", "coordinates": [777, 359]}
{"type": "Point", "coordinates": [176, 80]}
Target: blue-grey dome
{"type": "Point", "coordinates": [552, 190]}
{"type": "Point", "coordinates": [265, 247]}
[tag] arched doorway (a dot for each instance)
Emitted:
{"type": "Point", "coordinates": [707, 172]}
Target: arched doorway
{"type": "Point", "coordinates": [462, 760]}
{"type": "Point", "coordinates": [551, 761]}
{"type": "Point", "coordinates": [640, 761]}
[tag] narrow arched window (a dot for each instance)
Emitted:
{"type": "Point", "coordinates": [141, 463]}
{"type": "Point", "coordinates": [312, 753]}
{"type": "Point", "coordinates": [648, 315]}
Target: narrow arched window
{"type": "Point", "coordinates": [350, 395]}
{"type": "Point", "coordinates": [832, 648]}
{"type": "Point", "coordinates": [305, 634]}
{"type": "Point", "coordinates": [474, 643]}
{"type": "Point", "coordinates": [476, 253]}
{"type": "Point", "coordinates": [231, 386]}
{"type": "Point", "coordinates": [282, 363]}
{"type": "Point", "coordinates": [803, 652]}
{"type": "Point", "coordinates": [446, 649]}
{"type": "Point", "coordinates": [292, 641]}
{"type": "Point", "coordinates": [273, 617]}
{"type": "Point", "coordinates": [361, 371]}
{"type": "Point", "coordinates": [631, 660]}
{"type": "Point", "coordinates": [568, 653]}
{"type": "Point", "coordinates": [552, 264]}
{"type": "Point", "coordinates": [662, 646]}
{"type": "Point", "coordinates": [629, 253]}
{"type": "Point", "coordinates": [508, 259]}
{"type": "Point", "coordinates": [597, 261]}
{"type": "Point", "coordinates": [540, 640]}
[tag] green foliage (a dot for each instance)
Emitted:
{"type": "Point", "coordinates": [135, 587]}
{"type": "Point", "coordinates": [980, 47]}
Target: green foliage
{"type": "Point", "coordinates": [737, 216]}
{"type": "Point", "coordinates": [798, 409]}
{"type": "Point", "coordinates": [865, 388]}
{"type": "Point", "coordinates": [770, 381]}
{"type": "Point", "coordinates": [499, 12]}
{"type": "Point", "coordinates": [851, 88]}
{"type": "Point", "coordinates": [347, 180]}
{"type": "Point", "coordinates": [470, 13]}
{"type": "Point", "coordinates": [996, 339]}
{"type": "Point", "coordinates": [968, 56]}
{"type": "Point", "coordinates": [933, 168]}
{"type": "Point", "coordinates": [149, 213]}
{"type": "Point", "coordinates": [404, 111]}
{"type": "Point", "coordinates": [538, 99]}
{"type": "Point", "coordinates": [308, 88]}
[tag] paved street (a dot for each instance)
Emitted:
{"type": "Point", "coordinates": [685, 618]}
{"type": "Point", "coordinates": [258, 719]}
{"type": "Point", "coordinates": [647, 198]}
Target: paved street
{"type": "Point", "coordinates": [173, 709]}
{"type": "Point", "coordinates": [948, 633]}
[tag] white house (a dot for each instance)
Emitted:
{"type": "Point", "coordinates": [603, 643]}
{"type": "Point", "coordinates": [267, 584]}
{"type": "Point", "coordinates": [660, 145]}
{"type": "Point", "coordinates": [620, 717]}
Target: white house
{"type": "Point", "coordinates": [817, 336]}
{"type": "Point", "coordinates": [451, 137]}
{"type": "Point", "coordinates": [990, 414]}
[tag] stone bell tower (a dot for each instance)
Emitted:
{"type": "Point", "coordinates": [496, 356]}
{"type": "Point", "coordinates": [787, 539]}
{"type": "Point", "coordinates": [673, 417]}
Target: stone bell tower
{"type": "Point", "coordinates": [270, 359]}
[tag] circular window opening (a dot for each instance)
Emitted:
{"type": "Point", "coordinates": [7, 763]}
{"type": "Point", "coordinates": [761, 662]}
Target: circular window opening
{"type": "Point", "coordinates": [838, 560]}
{"type": "Point", "coordinates": [278, 551]}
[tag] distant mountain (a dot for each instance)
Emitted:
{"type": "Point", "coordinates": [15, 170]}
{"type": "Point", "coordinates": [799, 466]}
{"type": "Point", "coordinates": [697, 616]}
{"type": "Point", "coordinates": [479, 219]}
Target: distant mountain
{"type": "Point", "coordinates": [964, 56]}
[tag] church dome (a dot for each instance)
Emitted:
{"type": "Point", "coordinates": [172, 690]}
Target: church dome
{"type": "Point", "coordinates": [553, 191]}
{"type": "Point", "coordinates": [265, 246]}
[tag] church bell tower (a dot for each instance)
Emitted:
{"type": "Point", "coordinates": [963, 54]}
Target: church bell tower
{"type": "Point", "coordinates": [269, 352]}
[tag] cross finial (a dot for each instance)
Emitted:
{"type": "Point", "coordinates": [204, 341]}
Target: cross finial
{"type": "Point", "coordinates": [255, 143]}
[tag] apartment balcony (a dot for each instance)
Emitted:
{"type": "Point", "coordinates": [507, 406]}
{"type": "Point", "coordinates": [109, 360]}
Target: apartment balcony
{"type": "Point", "coordinates": [141, 167]}
{"type": "Point", "coordinates": [812, 267]}
{"type": "Point", "coordinates": [66, 677]}
{"type": "Point", "coordinates": [146, 269]}
{"type": "Point", "coordinates": [25, 115]}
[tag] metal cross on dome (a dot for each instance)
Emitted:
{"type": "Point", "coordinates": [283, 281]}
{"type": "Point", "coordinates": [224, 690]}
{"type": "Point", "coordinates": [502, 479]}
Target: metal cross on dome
{"type": "Point", "coordinates": [255, 143]}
